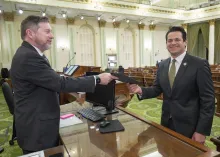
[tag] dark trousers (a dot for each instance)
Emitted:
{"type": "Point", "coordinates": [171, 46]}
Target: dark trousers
{"type": "Point", "coordinates": [27, 151]}
{"type": "Point", "coordinates": [171, 125]}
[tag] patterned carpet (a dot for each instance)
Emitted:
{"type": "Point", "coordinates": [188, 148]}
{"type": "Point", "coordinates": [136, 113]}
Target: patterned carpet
{"type": "Point", "coordinates": [150, 109]}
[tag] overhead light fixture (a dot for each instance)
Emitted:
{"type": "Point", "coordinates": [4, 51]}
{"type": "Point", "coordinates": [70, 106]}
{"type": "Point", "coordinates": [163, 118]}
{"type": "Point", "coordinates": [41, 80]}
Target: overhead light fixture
{"type": "Point", "coordinates": [113, 20]}
{"type": "Point", "coordinates": [127, 21]}
{"type": "Point", "coordinates": [81, 17]}
{"type": "Point", "coordinates": [43, 14]}
{"type": "Point", "coordinates": [152, 22]}
{"type": "Point", "coordinates": [20, 11]}
{"type": "Point", "coordinates": [98, 18]}
{"type": "Point", "coordinates": [64, 15]}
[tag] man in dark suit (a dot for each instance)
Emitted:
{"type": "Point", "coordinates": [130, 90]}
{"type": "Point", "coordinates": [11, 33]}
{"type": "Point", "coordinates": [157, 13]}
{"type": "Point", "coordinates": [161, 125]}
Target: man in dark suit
{"type": "Point", "coordinates": [36, 84]}
{"type": "Point", "coordinates": [187, 87]}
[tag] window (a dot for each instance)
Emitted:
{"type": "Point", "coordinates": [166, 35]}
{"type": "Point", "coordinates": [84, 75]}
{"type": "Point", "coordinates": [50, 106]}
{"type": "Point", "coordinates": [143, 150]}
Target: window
{"type": "Point", "coordinates": [127, 58]}
{"type": "Point", "coordinates": [86, 40]}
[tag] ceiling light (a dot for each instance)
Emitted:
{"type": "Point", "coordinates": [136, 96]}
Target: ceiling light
{"type": "Point", "coordinates": [113, 20]}
{"type": "Point", "coordinates": [64, 15]}
{"type": "Point", "coordinates": [81, 17]}
{"type": "Point", "coordinates": [127, 21]}
{"type": "Point", "coordinates": [43, 14]}
{"type": "Point", "coordinates": [99, 18]}
{"type": "Point", "coordinates": [20, 11]}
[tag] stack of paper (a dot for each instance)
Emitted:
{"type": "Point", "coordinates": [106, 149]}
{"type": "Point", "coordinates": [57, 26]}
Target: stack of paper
{"type": "Point", "coordinates": [70, 121]}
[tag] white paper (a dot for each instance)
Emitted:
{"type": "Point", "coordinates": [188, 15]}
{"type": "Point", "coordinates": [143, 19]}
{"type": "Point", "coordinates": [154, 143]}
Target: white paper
{"type": "Point", "coordinates": [70, 121]}
{"type": "Point", "coordinates": [35, 154]}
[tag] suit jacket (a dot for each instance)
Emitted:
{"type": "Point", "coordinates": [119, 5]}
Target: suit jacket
{"type": "Point", "coordinates": [191, 101]}
{"type": "Point", "coordinates": [37, 108]}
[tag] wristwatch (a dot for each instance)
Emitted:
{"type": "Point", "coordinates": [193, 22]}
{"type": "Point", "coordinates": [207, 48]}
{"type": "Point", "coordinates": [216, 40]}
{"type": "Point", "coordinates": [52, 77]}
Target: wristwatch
{"type": "Point", "coordinates": [97, 78]}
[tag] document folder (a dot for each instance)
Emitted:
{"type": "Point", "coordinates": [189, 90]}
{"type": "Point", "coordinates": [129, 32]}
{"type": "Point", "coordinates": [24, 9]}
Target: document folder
{"type": "Point", "coordinates": [123, 78]}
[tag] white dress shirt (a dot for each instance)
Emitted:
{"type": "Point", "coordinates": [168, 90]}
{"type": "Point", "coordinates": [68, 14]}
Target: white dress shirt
{"type": "Point", "coordinates": [178, 62]}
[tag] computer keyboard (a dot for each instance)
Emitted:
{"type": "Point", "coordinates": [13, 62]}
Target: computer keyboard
{"type": "Point", "coordinates": [89, 113]}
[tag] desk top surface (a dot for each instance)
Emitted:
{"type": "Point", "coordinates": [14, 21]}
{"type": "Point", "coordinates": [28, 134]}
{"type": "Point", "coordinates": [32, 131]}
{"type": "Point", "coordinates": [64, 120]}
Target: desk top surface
{"type": "Point", "coordinates": [140, 138]}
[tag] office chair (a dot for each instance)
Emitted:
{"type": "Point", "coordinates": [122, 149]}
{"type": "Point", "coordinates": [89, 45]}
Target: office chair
{"type": "Point", "coordinates": [5, 73]}
{"type": "Point", "coordinates": [7, 92]}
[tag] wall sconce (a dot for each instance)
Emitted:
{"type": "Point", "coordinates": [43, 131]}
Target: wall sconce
{"type": "Point", "coordinates": [62, 47]}
{"type": "Point", "coordinates": [110, 51]}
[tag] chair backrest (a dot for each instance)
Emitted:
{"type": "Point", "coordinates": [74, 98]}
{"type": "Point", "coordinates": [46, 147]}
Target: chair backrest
{"type": "Point", "coordinates": [5, 73]}
{"type": "Point", "coordinates": [9, 98]}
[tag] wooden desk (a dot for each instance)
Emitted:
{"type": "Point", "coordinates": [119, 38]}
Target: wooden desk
{"type": "Point", "coordinates": [120, 89]}
{"type": "Point", "coordinates": [55, 150]}
{"type": "Point", "coordinates": [217, 95]}
{"type": "Point", "coordinates": [140, 138]}
{"type": "Point", "coordinates": [52, 151]}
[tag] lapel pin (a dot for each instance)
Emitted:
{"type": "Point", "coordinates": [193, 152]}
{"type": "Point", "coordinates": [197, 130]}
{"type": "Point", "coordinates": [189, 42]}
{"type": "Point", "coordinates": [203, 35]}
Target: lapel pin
{"type": "Point", "coordinates": [185, 64]}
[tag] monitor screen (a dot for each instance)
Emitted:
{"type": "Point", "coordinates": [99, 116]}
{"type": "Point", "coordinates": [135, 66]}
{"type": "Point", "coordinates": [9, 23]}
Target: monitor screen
{"type": "Point", "coordinates": [71, 70]}
{"type": "Point", "coordinates": [104, 95]}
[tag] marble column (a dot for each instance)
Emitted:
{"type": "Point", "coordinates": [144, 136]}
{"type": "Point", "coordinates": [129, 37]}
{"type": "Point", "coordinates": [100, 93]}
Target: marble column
{"type": "Point", "coordinates": [9, 46]}
{"type": "Point", "coordinates": [102, 24]}
{"type": "Point", "coordinates": [53, 50]}
{"type": "Point", "coordinates": [152, 28]}
{"type": "Point", "coordinates": [211, 41]}
{"type": "Point", "coordinates": [184, 25]}
{"type": "Point", "coordinates": [71, 46]}
{"type": "Point", "coordinates": [141, 44]}
{"type": "Point", "coordinates": [116, 25]}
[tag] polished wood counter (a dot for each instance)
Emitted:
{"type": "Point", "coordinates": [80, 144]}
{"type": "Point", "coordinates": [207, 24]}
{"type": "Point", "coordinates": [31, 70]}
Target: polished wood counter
{"type": "Point", "coordinates": [217, 95]}
{"type": "Point", "coordinates": [55, 150]}
{"type": "Point", "coordinates": [140, 138]}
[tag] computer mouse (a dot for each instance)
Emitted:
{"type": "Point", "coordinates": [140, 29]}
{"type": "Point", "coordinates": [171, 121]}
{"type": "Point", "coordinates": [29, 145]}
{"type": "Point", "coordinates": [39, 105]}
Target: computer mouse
{"type": "Point", "coordinates": [104, 124]}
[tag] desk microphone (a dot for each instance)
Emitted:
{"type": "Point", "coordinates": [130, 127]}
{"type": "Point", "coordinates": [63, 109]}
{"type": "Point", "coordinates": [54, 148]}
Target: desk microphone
{"type": "Point", "coordinates": [70, 61]}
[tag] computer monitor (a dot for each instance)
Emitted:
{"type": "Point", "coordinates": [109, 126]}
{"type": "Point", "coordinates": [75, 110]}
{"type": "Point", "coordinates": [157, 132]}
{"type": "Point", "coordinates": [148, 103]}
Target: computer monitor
{"type": "Point", "coordinates": [71, 70]}
{"type": "Point", "coordinates": [104, 95]}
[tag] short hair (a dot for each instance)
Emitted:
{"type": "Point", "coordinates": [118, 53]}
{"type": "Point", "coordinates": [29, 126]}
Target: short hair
{"type": "Point", "coordinates": [30, 22]}
{"type": "Point", "coordinates": [177, 29]}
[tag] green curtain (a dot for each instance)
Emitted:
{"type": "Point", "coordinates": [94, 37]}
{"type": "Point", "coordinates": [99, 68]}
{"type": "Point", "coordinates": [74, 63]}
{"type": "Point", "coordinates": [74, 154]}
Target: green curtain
{"type": "Point", "coordinates": [201, 48]}
{"type": "Point", "coordinates": [217, 42]}
{"type": "Point", "coordinates": [194, 45]}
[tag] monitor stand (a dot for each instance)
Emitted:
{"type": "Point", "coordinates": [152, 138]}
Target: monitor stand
{"type": "Point", "coordinates": [107, 112]}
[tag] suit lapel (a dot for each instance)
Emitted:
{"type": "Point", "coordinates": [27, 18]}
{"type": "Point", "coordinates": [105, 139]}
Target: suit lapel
{"type": "Point", "coordinates": [165, 75]}
{"type": "Point", "coordinates": [181, 71]}
{"type": "Point", "coordinates": [26, 44]}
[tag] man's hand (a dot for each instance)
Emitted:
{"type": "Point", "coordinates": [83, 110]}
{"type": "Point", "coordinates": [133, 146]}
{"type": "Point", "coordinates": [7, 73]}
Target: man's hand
{"type": "Point", "coordinates": [106, 78]}
{"type": "Point", "coordinates": [198, 137]}
{"type": "Point", "coordinates": [133, 88]}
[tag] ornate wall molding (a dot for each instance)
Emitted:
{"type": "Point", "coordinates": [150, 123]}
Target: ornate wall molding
{"type": "Point", "coordinates": [76, 1]}
{"type": "Point", "coordinates": [152, 10]}
{"type": "Point", "coordinates": [152, 27]}
{"type": "Point", "coordinates": [141, 26]}
{"type": "Point", "coordinates": [184, 25]}
{"type": "Point", "coordinates": [53, 19]}
{"type": "Point", "coordinates": [116, 24]}
{"type": "Point", "coordinates": [102, 23]}
{"type": "Point", "coordinates": [123, 6]}
{"type": "Point", "coordinates": [8, 16]}
{"type": "Point", "coordinates": [211, 9]}
{"type": "Point", "coordinates": [70, 21]}
{"type": "Point", "coordinates": [212, 22]}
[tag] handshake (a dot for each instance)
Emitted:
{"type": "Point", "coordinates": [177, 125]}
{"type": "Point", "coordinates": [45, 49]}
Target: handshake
{"type": "Point", "coordinates": [106, 78]}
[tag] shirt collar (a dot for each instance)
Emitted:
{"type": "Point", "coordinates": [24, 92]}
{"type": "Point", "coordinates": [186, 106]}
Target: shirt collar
{"type": "Point", "coordinates": [179, 59]}
{"type": "Point", "coordinates": [38, 50]}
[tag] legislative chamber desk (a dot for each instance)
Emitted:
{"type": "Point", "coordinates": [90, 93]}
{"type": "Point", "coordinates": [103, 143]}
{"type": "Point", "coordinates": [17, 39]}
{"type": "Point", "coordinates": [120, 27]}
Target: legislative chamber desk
{"type": "Point", "coordinates": [140, 138]}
